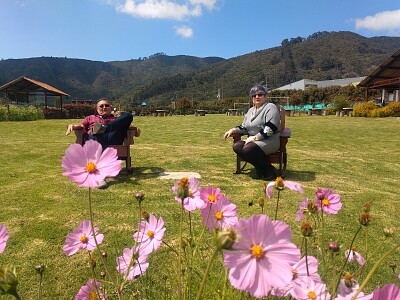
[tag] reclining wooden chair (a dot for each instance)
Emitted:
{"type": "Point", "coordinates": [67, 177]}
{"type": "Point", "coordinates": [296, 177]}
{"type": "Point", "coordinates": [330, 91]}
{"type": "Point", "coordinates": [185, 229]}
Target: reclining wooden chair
{"type": "Point", "coordinates": [279, 157]}
{"type": "Point", "coordinates": [123, 151]}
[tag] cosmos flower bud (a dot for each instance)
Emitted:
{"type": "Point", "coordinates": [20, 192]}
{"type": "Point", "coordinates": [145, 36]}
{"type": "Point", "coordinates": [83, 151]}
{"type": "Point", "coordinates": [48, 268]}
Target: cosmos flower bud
{"type": "Point", "coordinates": [139, 196]}
{"type": "Point", "coordinates": [145, 215]}
{"type": "Point", "coordinates": [388, 231]}
{"type": "Point", "coordinates": [364, 219]}
{"type": "Point", "coordinates": [103, 275]}
{"type": "Point", "coordinates": [334, 246]}
{"type": "Point", "coordinates": [348, 280]}
{"type": "Point", "coordinates": [93, 263]}
{"type": "Point", "coordinates": [40, 268]}
{"type": "Point", "coordinates": [183, 188]}
{"type": "Point", "coordinates": [104, 254]}
{"type": "Point", "coordinates": [320, 194]}
{"type": "Point", "coordinates": [312, 208]}
{"type": "Point", "coordinates": [226, 238]}
{"type": "Point", "coordinates": [393, 265]}
{"type": "Point", "coordinates": [261, 201]}
{"type": "Point", "coordinates": [306, 228]}
{"type": "Point", "coordinates": [367, 207]}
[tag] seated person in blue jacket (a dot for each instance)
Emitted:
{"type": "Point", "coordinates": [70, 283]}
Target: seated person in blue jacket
{"type": "Point", "coordinates": [104, 127]}
{"type": "Point", "coordinates": [261, 124]}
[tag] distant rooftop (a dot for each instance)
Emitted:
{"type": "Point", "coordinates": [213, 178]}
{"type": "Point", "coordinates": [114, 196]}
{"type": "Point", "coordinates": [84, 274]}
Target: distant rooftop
{"type": "Point", "coordinates": [307, 83]}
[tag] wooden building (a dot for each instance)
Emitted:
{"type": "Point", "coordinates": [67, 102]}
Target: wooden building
{"type": "Point", "coordinates": [385, 78]}
{"type": "Point", "coordinates": [26, 91]}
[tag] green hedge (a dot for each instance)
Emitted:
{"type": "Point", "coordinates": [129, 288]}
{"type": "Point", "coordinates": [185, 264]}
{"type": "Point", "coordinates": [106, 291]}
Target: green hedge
{"type": "Point", "coordinates": [17, 113]}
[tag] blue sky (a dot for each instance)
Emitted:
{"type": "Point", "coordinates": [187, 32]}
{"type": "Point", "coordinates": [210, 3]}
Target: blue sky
{"type": "Point", "coordinates": [109, 30]}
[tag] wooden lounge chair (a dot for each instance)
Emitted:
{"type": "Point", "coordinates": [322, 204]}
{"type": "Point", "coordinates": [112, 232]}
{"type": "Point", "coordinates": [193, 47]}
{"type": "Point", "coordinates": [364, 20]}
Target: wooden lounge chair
{"type": "Point", "coordinates": [279, 157]}
{"type": "Point", "coordinates": [123, 151]}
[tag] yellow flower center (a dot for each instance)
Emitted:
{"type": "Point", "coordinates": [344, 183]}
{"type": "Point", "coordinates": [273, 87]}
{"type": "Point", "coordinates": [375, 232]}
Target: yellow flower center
{"type": "Point", "coordinates": [279, 182]}
{"type": "Point", "coordinates": [218, 215]}
{"type": "Point", "coordinates": [312, 295]}
{"type": "Point", "coordinates": [150, 234]}
{"type": "Point", "coordinates": [353, 248]}
{"type": "Point", "coordinates": [184, 182]}
{"type": "Point", "coordinates": [91, 167]}
{"type": "Point", "coordinates": [325, 202]}
{"type": "Point", "coordinates": [92, 295]}
{"type": "Point", "coordinates": [257, 251]}
{"type": "Point", "coordinates": [212, 198]}
{"type": "Point", "coordinates": [84, 239]}
{"type": "Point", "coordinates": [294, 273]}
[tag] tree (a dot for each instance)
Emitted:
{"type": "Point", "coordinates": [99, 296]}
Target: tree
{"type": "Point", "coordinates": [184, 105]}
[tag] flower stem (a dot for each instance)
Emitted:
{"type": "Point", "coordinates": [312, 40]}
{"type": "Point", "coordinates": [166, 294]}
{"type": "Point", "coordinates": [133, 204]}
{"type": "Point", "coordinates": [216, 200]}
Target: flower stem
{"type": "Point", "coordinates": [277, 204]}
{"type": "Point", "coordinates": [40, 287]}
{"type": "Point", "coordinates": [346, 260]}
{"type": "Point", "coordinates": [203, 282]}
{"type": "Point", "coordinates": [377, 264]}
{"type": "Point", "coordinates": [180, 255]}
{"type": "Point", "coordinates": [98, 247]}
{"type": "Point", "coordinates": [305, 248]}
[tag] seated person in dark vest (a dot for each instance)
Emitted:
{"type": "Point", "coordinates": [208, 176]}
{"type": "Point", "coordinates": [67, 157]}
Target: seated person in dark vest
{"type": "Point", "coordinates": [104, 127]}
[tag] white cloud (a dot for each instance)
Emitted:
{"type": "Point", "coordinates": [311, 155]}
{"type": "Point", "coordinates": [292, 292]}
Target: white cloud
{"type": "Point", "coordinates": [163, 9]}
{"type": "Point", "coordinates": [184, 31]}
{"type": "Point", "coordinates": [210, 4]}
{"type": "Point", "coordinates": [386, 20]}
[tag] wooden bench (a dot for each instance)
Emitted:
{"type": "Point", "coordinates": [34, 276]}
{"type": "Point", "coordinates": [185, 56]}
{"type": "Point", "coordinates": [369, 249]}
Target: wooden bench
{"type": "Point", "coordinates": [123, 151]}
{"type": "Point", "coordinates": [279, 157]}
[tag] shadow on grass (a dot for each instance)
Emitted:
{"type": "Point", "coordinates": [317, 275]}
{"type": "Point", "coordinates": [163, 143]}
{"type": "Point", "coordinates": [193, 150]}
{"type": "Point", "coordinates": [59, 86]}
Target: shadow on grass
{"type": "Point", "coordinates": [138, 173]}
{"type": "Point", "coordinates": [290, 175]}
{"type": "Point", "coordinates": [300, 175]}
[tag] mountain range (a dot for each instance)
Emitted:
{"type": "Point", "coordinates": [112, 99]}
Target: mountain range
{"type": "Point", "coordinates": [161, 79]}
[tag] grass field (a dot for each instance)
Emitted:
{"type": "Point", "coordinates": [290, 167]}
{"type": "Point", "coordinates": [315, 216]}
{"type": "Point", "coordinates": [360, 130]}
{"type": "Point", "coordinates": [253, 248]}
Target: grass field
{"type": "Point", "coordinates": [359, 158]}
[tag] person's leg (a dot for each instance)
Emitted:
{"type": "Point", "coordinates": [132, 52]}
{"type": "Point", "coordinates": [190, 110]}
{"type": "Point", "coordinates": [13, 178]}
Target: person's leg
{"type": "Point", "coordinates": [256, 156]}
{"type": "Point", "coordinates": [114, 132]}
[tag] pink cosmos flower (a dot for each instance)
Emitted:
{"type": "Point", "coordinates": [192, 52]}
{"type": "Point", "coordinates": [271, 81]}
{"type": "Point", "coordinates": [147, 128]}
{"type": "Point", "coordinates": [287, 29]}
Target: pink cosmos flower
{"type": "Point", "coordinates": [210, 195]}
{"type": "Point", "coordinates": [280, 184]}
{"type": "Point", "coordinates": [82, 238]}
{"type": "Point", "coordinates": [302, 208]}
{"type": "Point", "coordinates": [389, 291]}
{"type": "Point", "coordinates": [3, 237]}
{"type": "Point", "coordinates": [311, 290]}
{"type": "Point", "coordinates": [132, 263]}
{"type": "Point", "coordinates": [150, 234]}
{"type": "Point", "coordinates": [88, 165]}
{"type": "Point", "coordinates": [353, 255]}
{"type": "Point", "coordinates": [90, 290]}
{"type": "Point", "coordinates": [221, 214]}
{"type": "Point", "coordinates": [262, 256]}
{"type": "Point", "coordinates": [347, 291]}
{"type": "Point", "coordinates": [193, 201]}
{"type": "Point", "coordinates": [328, 201]}
{"type": "Point", "coordinates": [299, 271]}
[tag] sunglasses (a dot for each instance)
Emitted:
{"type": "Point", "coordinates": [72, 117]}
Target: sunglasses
{"type": "Point", "coordinates": [104, 105]}
{"type": "Point", "coordinates": [259, 95]}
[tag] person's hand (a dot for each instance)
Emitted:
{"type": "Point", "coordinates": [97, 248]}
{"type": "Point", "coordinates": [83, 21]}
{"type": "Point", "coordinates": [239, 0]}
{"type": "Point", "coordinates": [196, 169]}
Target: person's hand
{"type": "Point", "coordinates": [70, 128]}
{"type": "Point", "coordinates": [229, 133]}
{"type": "Point", "coordinates": [250, 139]}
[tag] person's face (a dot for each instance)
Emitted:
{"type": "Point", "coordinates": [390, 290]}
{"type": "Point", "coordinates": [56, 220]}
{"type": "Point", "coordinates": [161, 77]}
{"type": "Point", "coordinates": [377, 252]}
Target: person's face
{"type": "Point", "coordinates": [259, 99]}
{"type": "Point", "coordinates": [104, 108]}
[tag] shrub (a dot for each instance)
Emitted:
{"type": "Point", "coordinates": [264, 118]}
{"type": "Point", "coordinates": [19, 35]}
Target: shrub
{"type": "Point", "coordinates": [79, 111]}
{"type": "Point", "coordinates": [363, 109]}
{"type": "Point", "coordinates": [369, 109]}
{"type": "Point", "coordinates": [3, 113]}
{"type": "Point", "coordinates": [340, 102]}
{"type": "Point", "coordinates": [17, 113]}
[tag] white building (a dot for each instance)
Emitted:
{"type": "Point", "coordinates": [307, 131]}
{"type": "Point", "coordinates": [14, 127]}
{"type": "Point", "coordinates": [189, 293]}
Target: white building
{"type": "Point", "coordinates": [307, 83]}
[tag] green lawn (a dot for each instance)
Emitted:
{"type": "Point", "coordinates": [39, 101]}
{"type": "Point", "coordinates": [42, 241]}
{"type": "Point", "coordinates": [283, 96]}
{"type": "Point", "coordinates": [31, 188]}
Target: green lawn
{"type": "Point", "coordinates": [359, 158]}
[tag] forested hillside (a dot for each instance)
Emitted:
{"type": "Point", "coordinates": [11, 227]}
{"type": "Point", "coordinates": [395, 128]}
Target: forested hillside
{"type": "Point", "coordinates": [161, 79]}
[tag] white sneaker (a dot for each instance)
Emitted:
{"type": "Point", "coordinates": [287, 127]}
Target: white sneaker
{"type": "Point", "coordinates": [103, 184]}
